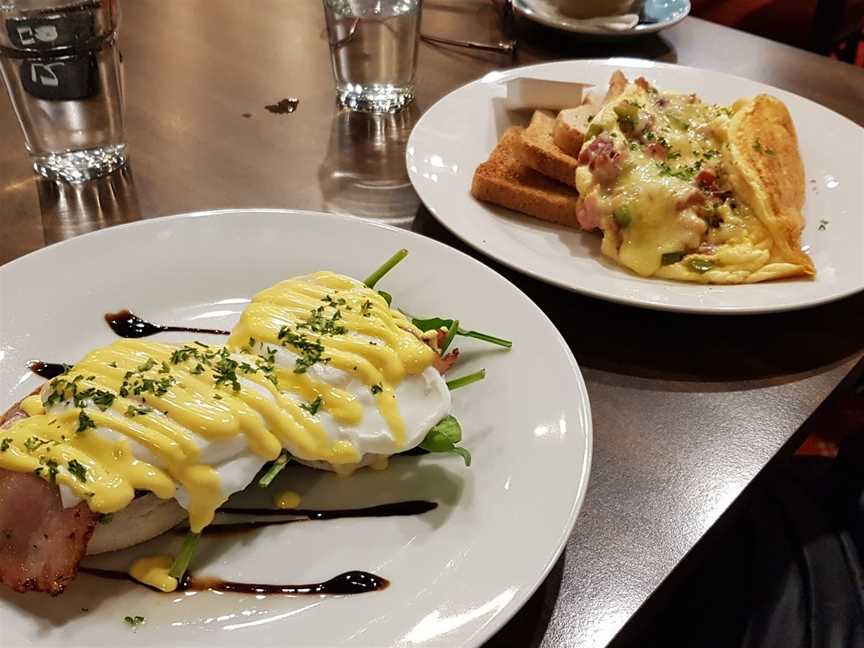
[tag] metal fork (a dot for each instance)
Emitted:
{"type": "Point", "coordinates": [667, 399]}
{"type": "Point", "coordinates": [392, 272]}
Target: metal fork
{"type": "Point", "coordinates": [504, 8]}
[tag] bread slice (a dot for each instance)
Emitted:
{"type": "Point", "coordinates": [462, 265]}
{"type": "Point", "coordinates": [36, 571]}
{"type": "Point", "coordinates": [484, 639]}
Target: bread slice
{"type": "Point", "coordinates": [538, 150]}
{"type": "Point", "coordinates": [571, 128]}
{"type": "Point", "coordinates": [504, 180]}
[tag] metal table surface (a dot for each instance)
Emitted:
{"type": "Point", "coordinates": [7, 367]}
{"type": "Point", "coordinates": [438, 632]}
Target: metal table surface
{"type": "Point", "coordinates": [686, 411]}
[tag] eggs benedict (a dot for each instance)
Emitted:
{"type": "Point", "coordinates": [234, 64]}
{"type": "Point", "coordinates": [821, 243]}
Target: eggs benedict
{"type": "Point", "coordinates": [319, 370]}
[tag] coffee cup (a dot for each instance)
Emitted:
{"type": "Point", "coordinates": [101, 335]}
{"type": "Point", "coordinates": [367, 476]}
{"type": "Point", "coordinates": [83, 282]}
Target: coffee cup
{"type": "Point", "coordinates": [595, 8]}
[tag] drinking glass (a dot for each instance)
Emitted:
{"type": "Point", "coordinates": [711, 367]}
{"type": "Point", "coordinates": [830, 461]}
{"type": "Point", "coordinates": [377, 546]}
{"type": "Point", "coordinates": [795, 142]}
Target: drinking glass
{"type": "Point", "coordinates": [61, 66]}
{"type": "Point", "coordinates": [373, 49]}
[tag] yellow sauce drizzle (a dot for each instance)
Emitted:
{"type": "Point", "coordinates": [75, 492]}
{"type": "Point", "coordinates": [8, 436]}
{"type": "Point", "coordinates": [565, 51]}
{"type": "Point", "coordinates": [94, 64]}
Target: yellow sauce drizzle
{"type": "Point", "coordinates": [132, 415]}
{"type": "Point", "coordinates": [153, 571]}
{"type": "Point", "coordinates": [287, 500]}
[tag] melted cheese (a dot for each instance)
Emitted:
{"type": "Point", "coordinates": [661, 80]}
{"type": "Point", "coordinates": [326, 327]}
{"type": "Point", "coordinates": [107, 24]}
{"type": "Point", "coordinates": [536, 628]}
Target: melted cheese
{"type": "Point", "coordinates": [147, 416]}
{"type": "Point", "coordinates": [644, 218]}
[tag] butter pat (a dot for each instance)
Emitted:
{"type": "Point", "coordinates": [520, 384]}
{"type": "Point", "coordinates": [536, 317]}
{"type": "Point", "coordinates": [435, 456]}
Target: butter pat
{"type": "Point", "coordinates": [524, 93]}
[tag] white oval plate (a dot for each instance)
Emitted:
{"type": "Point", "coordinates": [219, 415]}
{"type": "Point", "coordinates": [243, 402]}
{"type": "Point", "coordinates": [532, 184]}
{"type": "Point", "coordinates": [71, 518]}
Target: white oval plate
{"type": "Point", "coordinates": [660, 15]}
{"type": "Point", "coordinates": [458, 133]}
{"type": "Point", "coordinates": [457, 574]}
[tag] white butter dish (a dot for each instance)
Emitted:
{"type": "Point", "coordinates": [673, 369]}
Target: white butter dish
{"type": "Point", "coordinates": [524, 93]}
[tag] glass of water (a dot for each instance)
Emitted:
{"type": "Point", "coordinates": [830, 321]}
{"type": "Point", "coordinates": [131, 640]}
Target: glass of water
{"type": "Point", "coordinates": [373, 48]}
{"type": "Point", "coordinates": [61, 67]}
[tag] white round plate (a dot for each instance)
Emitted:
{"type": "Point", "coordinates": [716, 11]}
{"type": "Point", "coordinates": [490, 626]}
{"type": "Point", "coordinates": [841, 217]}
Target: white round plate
{"type": "Point", "coordinates": [657, 16]}
{"type": "Point", "coordinates": [458, 133]}
{"type": "Point", "coordinates": [457, 573]}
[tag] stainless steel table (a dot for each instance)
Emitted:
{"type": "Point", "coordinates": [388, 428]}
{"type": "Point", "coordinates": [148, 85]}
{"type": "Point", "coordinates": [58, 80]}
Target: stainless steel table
{"type": "Point", "coordinates": [682, 424]}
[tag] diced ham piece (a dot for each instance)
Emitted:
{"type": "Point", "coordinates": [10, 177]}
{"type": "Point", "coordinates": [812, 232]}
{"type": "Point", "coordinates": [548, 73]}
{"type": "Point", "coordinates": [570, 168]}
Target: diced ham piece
{"type": "Point", "coordinates": [707, 179]}
{"type": "Point", "coordinates": [603, 159]}
{"type": "Point", "coordinates": [691, 198]}
{"type": "Point", "coordinates": [657, 150]}
{"type": "Point", "coordinates": [643, 83]}
{"type": "Point", "coordinates": [444, 363]}
{"type": "Point", "coordinates": [41, 543]}
{"type": "Point", "coordinates": [589, 213]}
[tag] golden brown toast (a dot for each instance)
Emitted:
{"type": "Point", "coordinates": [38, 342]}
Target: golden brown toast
{"type": "Point", "coordinates": [571, 128]}
{"type": "Point", "coordinates": [537, 149]}
{"type": "Point", "coordinates": [504, 180]}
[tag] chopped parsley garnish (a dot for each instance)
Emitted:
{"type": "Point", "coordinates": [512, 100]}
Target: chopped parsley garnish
{"type": "Point", "coordinates": [52, 470]}
{"type": "Point", "coordinates": [312, 407]}
{"type": "Point", "coordinates": [147, 366]}
{"type": "Point", "coordinates": [376, 389]}
{"type": "Point", "coordinates": [5, 443]}
{"type": "Point", "coordinates": [138, 385]}
{"type": "Point", "coordinates": [225, 371]}
{"type": "Point", "coordinates": [102, 399]}
{"type": "Point", "coordinates": [183, 353]}
{"type": "Point", "coordinates": [310, 350]}
{"type": "Point", "coordinates": [84, 422]}
{"type": "Point", "coordinates": [112, 364]}
{"type": "Point", "coordinates": [197, 369]}
{"type": "Point", "coordinates": [164, 368]}
{"type": "Point", "coordinates": [217, 396]}
{"type": "Point", "coordinates": [136, 410]}
{"type": "Point", "coordinates": [686, 172]}
{"type": "Point", "coordinates": [78, 470]}
{"type": "Point", "coordinates": [134, 620]}
{"type": "Point", "coordinates": [366, 308]}
{"type": "Point", "coordinates": [34, 443]}
{"type": "Point", "coordinates": [319, 323]}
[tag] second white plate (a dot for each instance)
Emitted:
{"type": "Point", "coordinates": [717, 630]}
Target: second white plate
{"type": "Point", "coordinates": [459, 132]}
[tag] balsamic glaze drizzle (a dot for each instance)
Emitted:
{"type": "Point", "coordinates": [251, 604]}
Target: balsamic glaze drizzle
{"type": "Point", "coordinates": [129, 325]}
{"type": "Point", "coordinates": [47, 370]}
{"type": "Point", "coordinates": [408, 507]}
{"type": "Point", "coordinates": [351, 582]}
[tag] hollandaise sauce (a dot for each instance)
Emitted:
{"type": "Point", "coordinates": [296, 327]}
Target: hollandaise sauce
{"type": "Point", "coordinates": [146, 416]}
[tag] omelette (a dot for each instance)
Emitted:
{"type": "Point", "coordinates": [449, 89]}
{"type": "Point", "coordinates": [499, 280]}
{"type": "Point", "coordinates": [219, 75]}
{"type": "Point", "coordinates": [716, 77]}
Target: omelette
{"type": "Point", "coordinates": [686, 190]}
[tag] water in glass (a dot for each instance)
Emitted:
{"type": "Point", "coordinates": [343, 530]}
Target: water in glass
{"type": "Point", "coordinates": [61, 66]}
{"type": "Point", "coordinates": [373, 46]}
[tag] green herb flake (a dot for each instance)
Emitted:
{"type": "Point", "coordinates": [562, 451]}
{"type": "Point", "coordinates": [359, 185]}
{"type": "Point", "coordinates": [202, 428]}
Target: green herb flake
{"type": "Point", "coordinates": [84, 422]}
{"type": "Point", "coordinates": [34, 443]}
{"type": "Point", "coordinates": [52, 470]}
{"type": "Point", "coordinates": [311, 351]}
{"type": "Point", "coordinates": [102, 399]}
{"type": "Point", "coordinates": [137, 410]}
{"type": "Point", "coordinates": [376, 389]}
{"type": "Point", "coordinates": [5, 443]}
{"type": "Point", "coordinates": [78, 470]}
{"type": "Point", "coordinates": [312, 407]}
{"type": "Point", "coordinates": [147, 366]}
{"type": "Point", "coordinates": [134, 621]}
